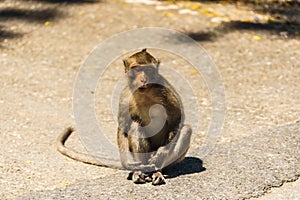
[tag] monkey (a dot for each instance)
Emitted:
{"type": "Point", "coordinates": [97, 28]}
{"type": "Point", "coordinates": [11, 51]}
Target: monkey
{"type": "Point", "coordinates": [146, 89]}
{"type": "Point", "coordinates": [151, 135]}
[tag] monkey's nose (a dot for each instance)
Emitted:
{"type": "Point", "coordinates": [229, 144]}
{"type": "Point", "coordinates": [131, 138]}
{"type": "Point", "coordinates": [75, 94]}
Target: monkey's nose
{"type": "Point", "coordinates": [144, 80]}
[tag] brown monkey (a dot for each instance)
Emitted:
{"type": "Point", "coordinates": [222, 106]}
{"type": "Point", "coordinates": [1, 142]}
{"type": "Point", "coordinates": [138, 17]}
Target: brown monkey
{"type": "Point", "coordinates": [145, 103]}
{"type": "Point", "coordinates": [151, 134]}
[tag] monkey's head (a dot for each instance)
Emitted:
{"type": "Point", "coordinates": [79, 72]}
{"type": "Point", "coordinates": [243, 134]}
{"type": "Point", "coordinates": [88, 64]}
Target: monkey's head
{"type": "Point", "coordinates": [142, 69]}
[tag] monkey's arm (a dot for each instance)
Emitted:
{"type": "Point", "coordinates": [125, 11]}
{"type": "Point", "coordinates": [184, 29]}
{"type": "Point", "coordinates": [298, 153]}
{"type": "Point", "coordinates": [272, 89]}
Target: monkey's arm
{"type": "Point", "coordinates": [126, 157]}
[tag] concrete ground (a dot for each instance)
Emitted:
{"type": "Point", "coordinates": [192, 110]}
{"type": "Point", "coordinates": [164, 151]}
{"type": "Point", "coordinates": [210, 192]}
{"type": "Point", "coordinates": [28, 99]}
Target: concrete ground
{"type": "Point", "coordinates": [44, 42]}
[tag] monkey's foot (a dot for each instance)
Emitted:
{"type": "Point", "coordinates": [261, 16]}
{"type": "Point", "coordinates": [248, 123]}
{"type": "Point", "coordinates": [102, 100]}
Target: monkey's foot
{"type": "Point", "coordinates": [158, 178]}
{"type": "Point", "coordinates": [138, 177]}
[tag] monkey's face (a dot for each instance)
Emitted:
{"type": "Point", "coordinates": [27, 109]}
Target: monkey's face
{"type": "Point", "coordinates": [141, 77]}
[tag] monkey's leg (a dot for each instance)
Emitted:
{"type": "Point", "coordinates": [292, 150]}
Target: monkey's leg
{"type": "Point", "coordinates": [173, 152]}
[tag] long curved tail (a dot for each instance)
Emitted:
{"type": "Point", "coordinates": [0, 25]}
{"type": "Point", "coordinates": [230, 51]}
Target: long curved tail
{"type": "Point", "coordinates": [80, 156]}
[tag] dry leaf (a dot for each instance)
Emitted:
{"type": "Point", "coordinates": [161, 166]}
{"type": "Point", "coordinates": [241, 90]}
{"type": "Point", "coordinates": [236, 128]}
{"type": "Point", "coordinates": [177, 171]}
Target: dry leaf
{"type": "Point", "coordinates": [28, 162]}
{"type": "Point", "coordinates": [256, 37]}
{"type": "Point", "coordinates": [64, 185]}
{"type": "Point", "coordinates": [47, 23]}
{"type": "Point", "coordinates": [194, 71]}
{"type": "Point", "coordinates": [169, 14]}
{"type": "Point", "coordinates": [195, 7]}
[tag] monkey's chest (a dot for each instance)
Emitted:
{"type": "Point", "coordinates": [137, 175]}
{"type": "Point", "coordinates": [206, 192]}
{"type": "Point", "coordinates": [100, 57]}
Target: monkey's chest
{"type": "Point", "coordinates": [147, 108]}
{"type": "Point", "coordinates": [155, 115]}
{"type": "Point", "coordinates": [152, 116]}
{"type": "Point", "coordinates": [152, 106]}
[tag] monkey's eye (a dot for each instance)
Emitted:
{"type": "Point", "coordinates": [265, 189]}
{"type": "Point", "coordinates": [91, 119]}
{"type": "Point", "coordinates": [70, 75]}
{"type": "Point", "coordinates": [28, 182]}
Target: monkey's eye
{"type": "Point", "coordinates": [137, 68]}
{"type": "Point", "coordinates": [146, 69]}
{"type": "Point", "coordinates": [149, 69]}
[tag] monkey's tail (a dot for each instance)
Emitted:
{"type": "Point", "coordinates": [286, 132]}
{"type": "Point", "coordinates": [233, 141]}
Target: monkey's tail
{"type": "Point", "coordinates": [80, 156]}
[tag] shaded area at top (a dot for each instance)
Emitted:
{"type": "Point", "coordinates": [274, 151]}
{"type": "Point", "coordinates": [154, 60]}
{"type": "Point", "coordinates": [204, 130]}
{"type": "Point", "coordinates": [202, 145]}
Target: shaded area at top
{"type": "Point", "coordinates": [68, 1]}
{"type": "Point", "coordinates": [284, 19]}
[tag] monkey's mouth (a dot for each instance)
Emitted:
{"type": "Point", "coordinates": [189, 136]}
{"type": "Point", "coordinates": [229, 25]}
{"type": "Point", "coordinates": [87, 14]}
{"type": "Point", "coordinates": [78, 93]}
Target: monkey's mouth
{"type": "Point", "coordinates": [143, 87]}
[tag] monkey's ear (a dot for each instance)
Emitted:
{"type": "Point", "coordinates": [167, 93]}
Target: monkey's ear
{"type": "Point", "coordinates": [126, 65]}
